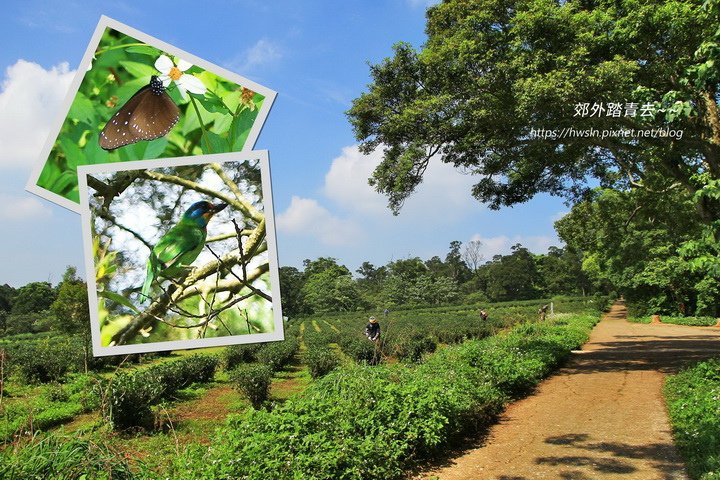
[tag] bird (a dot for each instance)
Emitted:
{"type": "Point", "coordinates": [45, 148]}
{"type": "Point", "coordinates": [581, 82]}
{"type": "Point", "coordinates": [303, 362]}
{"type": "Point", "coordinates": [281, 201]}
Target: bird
{"type": "Point", "coordinates": [181, 245]}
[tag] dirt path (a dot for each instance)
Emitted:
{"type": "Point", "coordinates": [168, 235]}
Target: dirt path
{"type": "Point", "coordinates": [600, 417]}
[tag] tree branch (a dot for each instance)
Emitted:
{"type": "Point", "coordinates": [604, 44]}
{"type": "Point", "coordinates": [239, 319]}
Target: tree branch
{"type": "Point", "coordinates": [244, 207]}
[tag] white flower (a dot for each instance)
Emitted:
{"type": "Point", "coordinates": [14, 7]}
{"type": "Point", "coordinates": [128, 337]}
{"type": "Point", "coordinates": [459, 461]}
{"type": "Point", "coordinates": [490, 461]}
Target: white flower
{"type": "Point", "coordinates": [184, 82]}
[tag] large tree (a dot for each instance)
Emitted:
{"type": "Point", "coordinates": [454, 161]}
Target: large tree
{"type": "Point", "coordinates": [514, 276]}
{"type": "Point", "coordinates": [634, 244]}
{"type": "Point", "coordinates": [494, 72]}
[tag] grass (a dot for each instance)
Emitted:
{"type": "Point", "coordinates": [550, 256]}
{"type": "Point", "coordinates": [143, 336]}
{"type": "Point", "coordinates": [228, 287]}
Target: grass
{"type": "Point", "coordinates": [687, 321]}
{"type": "Point", "coordinates": [693, 398]}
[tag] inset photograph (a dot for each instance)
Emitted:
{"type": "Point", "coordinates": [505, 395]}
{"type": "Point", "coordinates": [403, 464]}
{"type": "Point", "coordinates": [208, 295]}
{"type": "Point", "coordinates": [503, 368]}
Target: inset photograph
{"type": "Point", "coordinates": [180, 254]}
{"type": "Point", "coordinates": [137, 98]}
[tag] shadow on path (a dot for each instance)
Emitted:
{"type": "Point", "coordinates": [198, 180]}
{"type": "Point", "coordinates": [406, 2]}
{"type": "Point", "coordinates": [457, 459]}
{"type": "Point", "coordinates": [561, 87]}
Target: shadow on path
{"type": "Point", "coordinates": [660, 455]}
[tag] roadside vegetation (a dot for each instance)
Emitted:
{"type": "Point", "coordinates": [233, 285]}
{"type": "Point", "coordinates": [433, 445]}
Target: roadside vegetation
{"type": "Point", "coordinates": [693, 398]}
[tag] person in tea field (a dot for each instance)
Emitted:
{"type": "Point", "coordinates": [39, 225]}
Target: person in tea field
{"type": "Point", "coordinates": [483, 315]}
{"type": "Point", "coordinates": [542, 312]}
{"type": "Point", "coordinates": [372, 330]}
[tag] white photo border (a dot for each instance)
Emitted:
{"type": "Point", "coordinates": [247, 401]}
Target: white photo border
{"type": "Point", "coordinates": [264, 162]}
{"type": "Point", "coordinates": [103, 24]}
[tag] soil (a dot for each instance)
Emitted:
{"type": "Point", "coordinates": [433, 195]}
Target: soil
{"type": "Point", "coordinates": [602, 416]}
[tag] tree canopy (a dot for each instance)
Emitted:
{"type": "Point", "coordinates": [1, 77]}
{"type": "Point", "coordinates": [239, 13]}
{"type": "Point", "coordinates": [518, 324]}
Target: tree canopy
{"type": "Point", "coordinates": [492, 71]}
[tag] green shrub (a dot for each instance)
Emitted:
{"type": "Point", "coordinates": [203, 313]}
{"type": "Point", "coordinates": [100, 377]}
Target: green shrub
{"type": "Point", "coordinates": [277, 354]}
{"type": "Point", "coordinates": [253, 380]}
{"type": "Point", "coordinates": [688, 321]}
{"type": "Point", "coordinates": [84, 389]}
{"type": "Point", "coordinates": [131, 395]}
{"type": "Point", "coordinates": [369, 423]}
{"type": "Point", "coordinates": [361, 350]}
{"type": "Point", "coordinates": [237, 354]}
{"type": "Point", "coordinates": [412, 348]}
{"type": "Point", "coordinates": [56, 393]}
{"type": "Point", "coordinates": [56, 414]}
{"type": "Point", "coordinates": [324, 337]}
{"type": "Point", "coordinates": [320, 360]}
{"type": "Point", "coordinates": [178, 374]}
{"type": "Point", "coordinates": [47, 360]}
{"type": "Point", "coordinates": [693, 398]}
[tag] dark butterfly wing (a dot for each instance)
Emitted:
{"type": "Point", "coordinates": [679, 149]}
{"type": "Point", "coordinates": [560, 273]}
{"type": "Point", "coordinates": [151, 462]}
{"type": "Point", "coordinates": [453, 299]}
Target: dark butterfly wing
{"type": "Point", "coordinates": [117, 131]}
{"type": "Point", "coordinates": [154, 116]}
{"type": "Point", "coordinates": [149, 114]}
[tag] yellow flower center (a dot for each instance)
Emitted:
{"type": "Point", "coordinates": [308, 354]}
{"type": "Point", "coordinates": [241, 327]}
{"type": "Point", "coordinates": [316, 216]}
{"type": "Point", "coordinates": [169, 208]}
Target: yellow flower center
{"type": "Point", "coordinates": [175, 73]}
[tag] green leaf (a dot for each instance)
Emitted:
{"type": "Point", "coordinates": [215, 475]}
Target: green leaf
{"type": "Point", "coordinates": [73, 154]}
{"type": "Point", "coordinates": [155, 148]}
{"type": "Point", "coordinates": [144, 50]}
{"type": "Point", "coordinates": [212, 103]}
{"type": "Point", "coordinates": [129, 89]}
{"type": "Point", "coordinates": [138, 70]}
{"type": "Point", "coordinates": [82, 109]}
{"type": "Point", "coordinates": [191, 119]}
{"type": "Point", "coordinates": [213, 143]}
{"type": "Point", "coordinates": [119, 299]}
{"type": "Point", "coordinates": [222, 124]}
{"type": "Point", "coordinates": [231, 99]}
{"type": "Point", "coordinates": [240, 128]}
{"type": "Point", "coordinates": [94, 154]}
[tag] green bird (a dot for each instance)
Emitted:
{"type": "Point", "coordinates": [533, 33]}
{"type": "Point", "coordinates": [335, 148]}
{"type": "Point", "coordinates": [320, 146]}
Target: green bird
{"type": "Point", "coordinates": [181, 245]}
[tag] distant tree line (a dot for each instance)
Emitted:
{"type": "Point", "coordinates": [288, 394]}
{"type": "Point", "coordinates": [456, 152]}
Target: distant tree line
{"type": "Point", "coordinates": [41, 307]}
{"type": "Point", "coordinates": [324, 285]}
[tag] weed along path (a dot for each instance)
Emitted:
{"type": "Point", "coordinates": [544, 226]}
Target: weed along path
{"type": "Point", "coordinates": [602, 416]}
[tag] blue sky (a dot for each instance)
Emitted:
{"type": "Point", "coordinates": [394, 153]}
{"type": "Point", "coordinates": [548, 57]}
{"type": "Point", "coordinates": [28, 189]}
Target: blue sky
{"type": "Point", "coordinates": [315, 55]}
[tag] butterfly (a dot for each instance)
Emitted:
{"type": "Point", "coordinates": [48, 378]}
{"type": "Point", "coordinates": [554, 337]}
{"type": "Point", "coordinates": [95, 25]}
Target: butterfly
{"type": "Point", "coordinates": [149, 114]}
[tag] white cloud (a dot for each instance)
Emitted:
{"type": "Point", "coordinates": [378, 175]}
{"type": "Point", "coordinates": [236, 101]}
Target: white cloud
{"type": "Point", "coordinates": [444, 192]}
{"type": "Point", "coordinates": [307, 217]}
{"type": "Point", "coordinates": [264, 52]}
{"type": "Point", "coordinates": [22, 207]}
{"type": "Point", "coordinates": [30, 100]}
{"type": "Point", "coordinates": [502, 244]}
{"type": "Point", "coordinates": [346, 182]}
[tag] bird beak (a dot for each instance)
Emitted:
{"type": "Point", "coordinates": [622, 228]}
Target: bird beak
{"type": "Point", "coordinates": [218, 207]}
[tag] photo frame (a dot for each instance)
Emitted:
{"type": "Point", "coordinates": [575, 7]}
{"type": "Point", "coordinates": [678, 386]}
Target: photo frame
{"type": "Point", "coordinates": [131, 87]}
{"type": "Point", "coordinates": [223, 294]}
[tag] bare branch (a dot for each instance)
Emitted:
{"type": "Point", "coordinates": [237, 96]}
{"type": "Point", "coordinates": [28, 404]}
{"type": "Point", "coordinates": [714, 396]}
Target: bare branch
{"type": "Point", "coordinates": [244, 207]}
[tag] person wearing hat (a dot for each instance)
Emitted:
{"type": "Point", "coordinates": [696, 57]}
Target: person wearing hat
{"type": "Point", "coordinates": [372, 329]}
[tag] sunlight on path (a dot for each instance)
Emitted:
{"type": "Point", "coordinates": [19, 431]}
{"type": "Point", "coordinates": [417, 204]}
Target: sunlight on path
{"type": "Point", "coordinates": [601, 417]}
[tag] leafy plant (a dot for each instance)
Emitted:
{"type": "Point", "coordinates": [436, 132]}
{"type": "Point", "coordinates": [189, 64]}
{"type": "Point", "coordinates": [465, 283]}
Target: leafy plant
{"type": "Point", "coordinates": [692, 399]}
{"type": "Point", "coordinates": [320, 360]}
{"type": "Point", "coordinates": [277, 354]}
{"type": "Point", "coordinates": [63, 456]}
{"type": "Point", "coordinates": [369, 423]}
{"type": "Point", "coordinates": [253, 380]}
{"type": "Point", "coordinates": [215, 122]}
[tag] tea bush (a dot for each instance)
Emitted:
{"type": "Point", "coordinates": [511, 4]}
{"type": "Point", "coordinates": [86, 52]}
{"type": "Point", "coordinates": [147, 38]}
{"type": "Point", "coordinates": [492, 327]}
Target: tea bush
{"type": "Point", "coordinates": [361, 350]}
{"type": "Point", "coordinates": [412, 347]}
{"type": "Point", "coordinates": [320, 360]}
{"type": "Point", "coordinates": [131, 395]}
{"type": "Point", "coordinates": [253, 380]}
{"type": "Point", "coordinates": [46, 360]}
{"type": "Point", "coordinates": [237, 354]}
{"type": "Point", "coordinates": [361, 422]}
{"type": "Point", "coordinates": [277, 354]}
